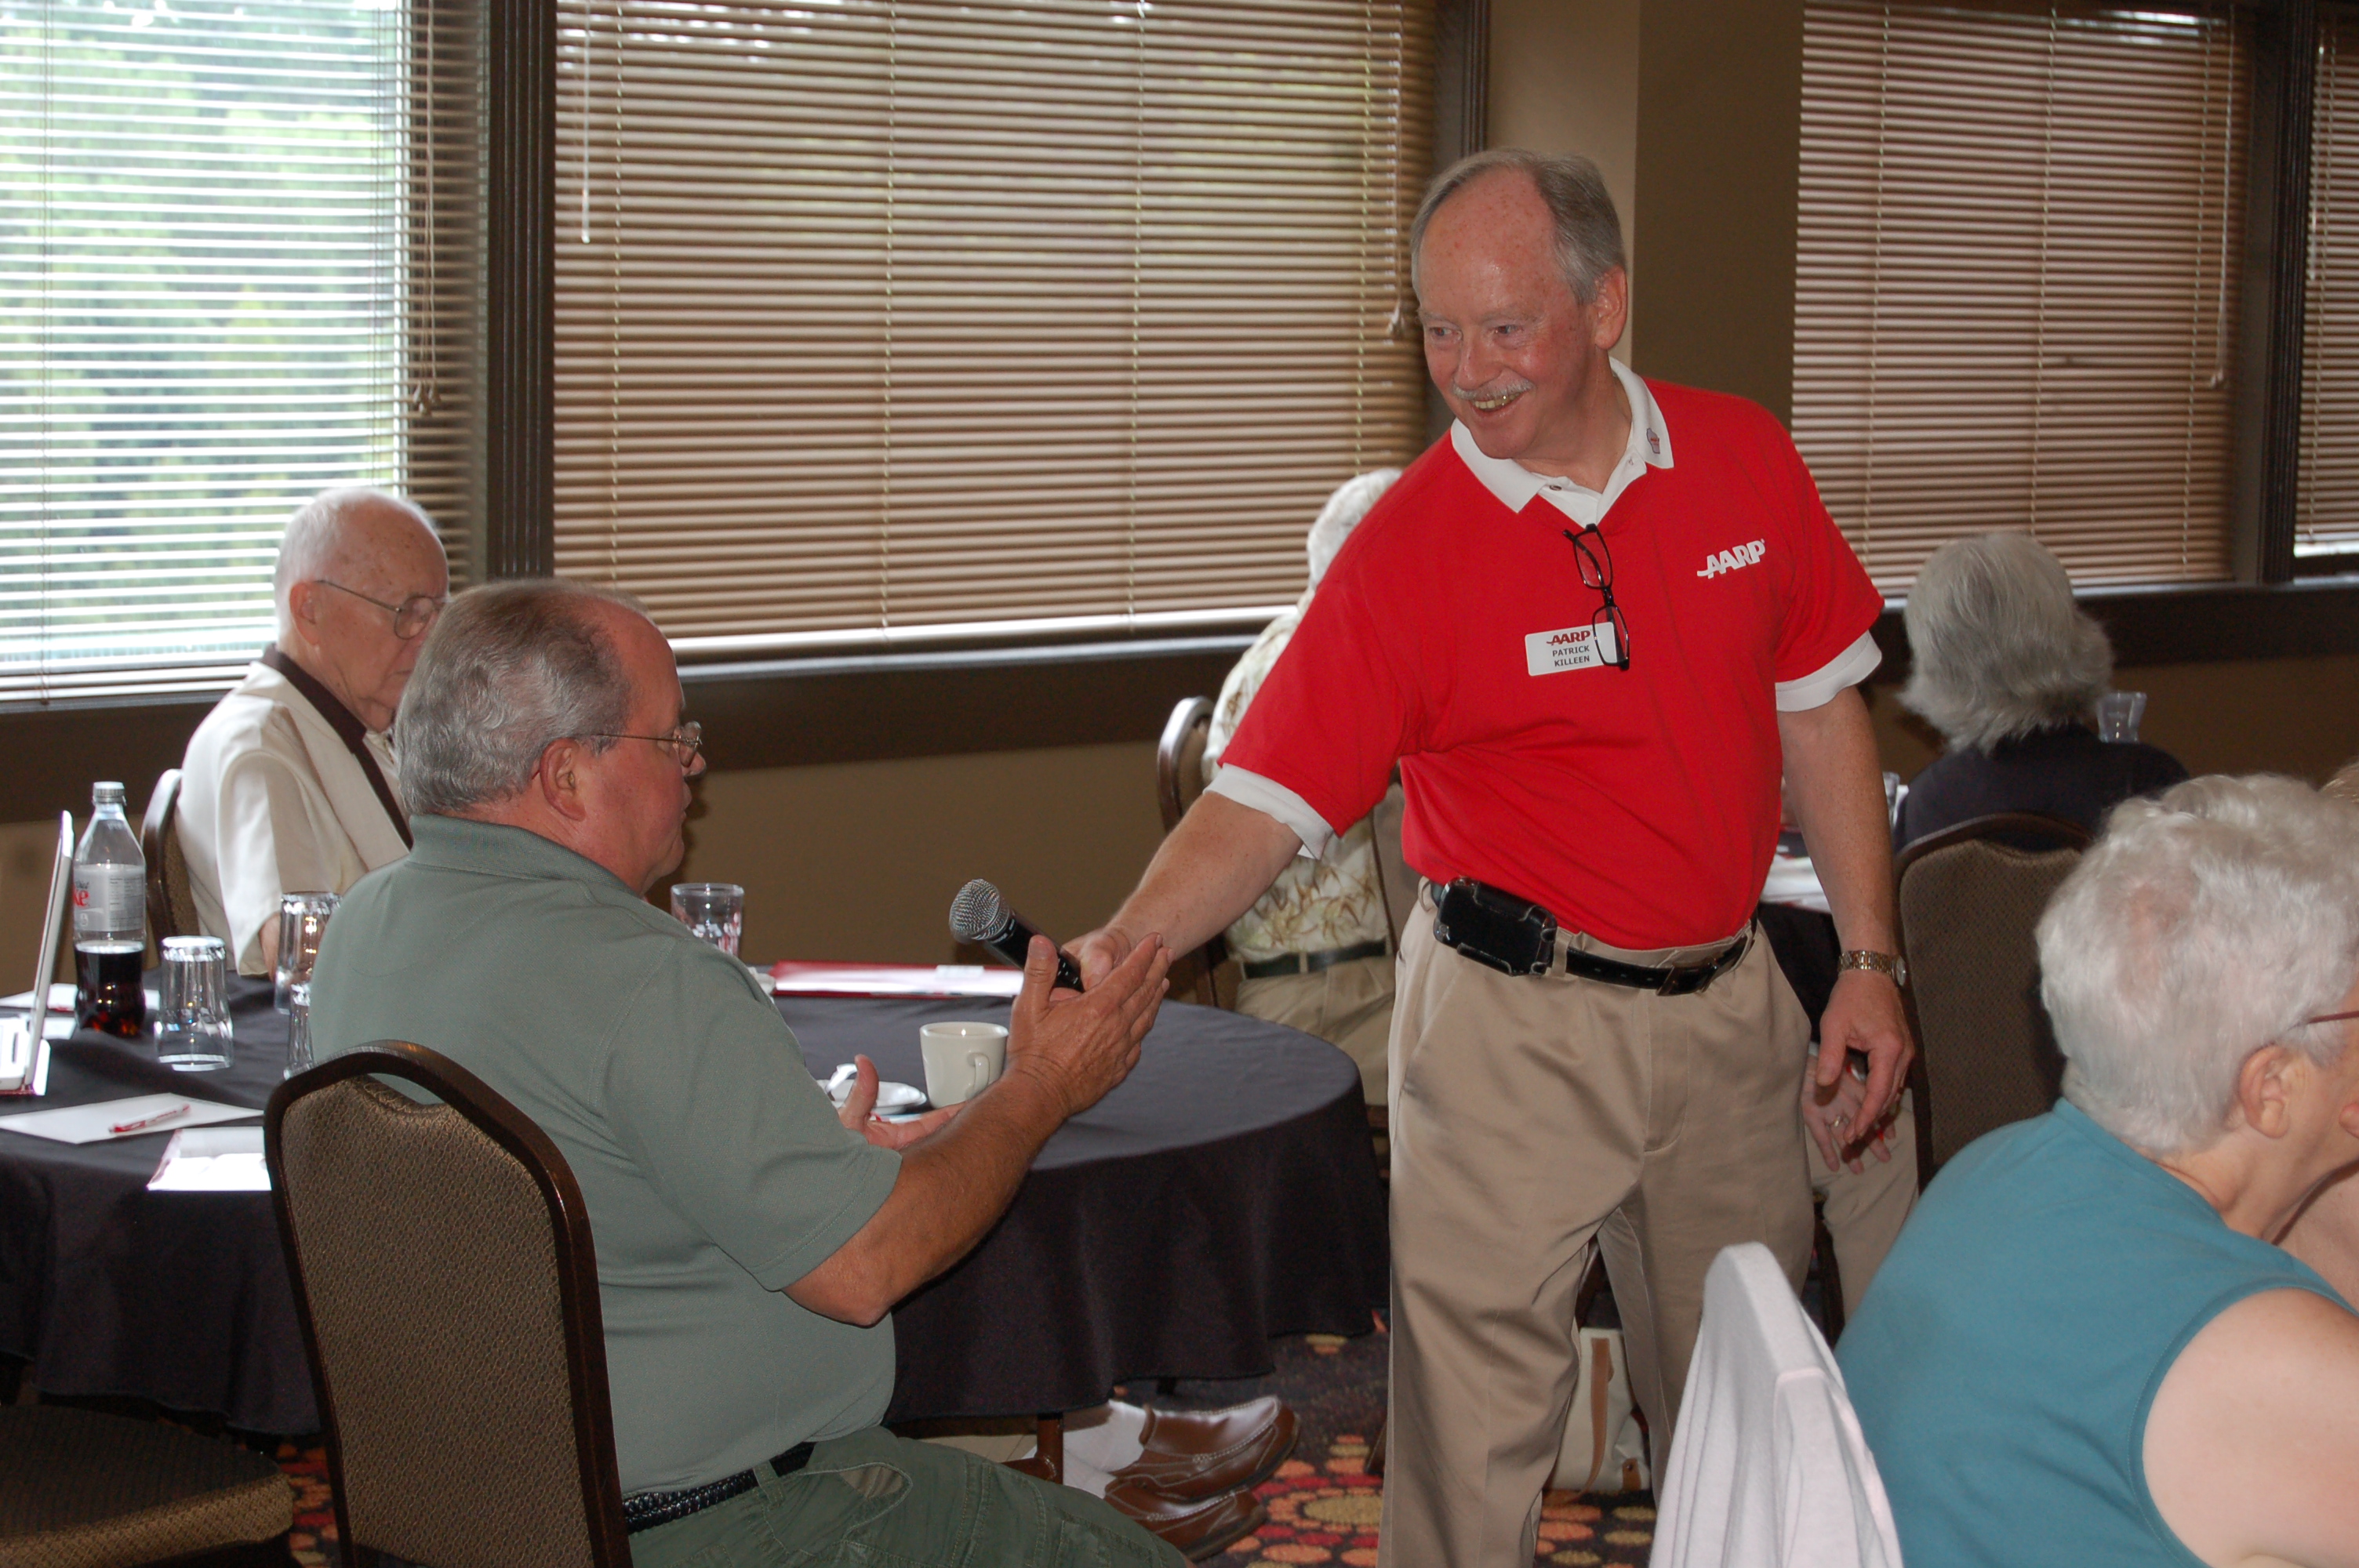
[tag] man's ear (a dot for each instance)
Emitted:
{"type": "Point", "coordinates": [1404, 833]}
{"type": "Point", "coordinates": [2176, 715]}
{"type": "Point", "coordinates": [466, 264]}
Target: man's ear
{"type": "Point", "coordinates": [2264, 1092]}
{"type": "Point", "coordinates": [559, 779]}
{"type": "Point", "coordinates": [302, 607]}
{"type": "Point", "coordinates": [1612, 306]}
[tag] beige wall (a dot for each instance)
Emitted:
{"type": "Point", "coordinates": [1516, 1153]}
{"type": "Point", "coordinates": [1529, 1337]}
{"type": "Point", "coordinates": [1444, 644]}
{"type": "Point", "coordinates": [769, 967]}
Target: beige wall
{"type": "Point", "coordinates": [1564, 79]}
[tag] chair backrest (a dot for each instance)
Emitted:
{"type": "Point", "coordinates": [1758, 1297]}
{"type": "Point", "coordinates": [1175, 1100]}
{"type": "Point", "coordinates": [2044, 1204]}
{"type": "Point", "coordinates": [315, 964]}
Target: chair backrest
{"type": "Point", "coordinates": [1180, 758]}
{"type": "Point", "coordinates": [172, 906]}
{"type": "Point", "coordinates": [447, 1291]}
{"type": "Point", "coordinates": [1970, 898]}
{"type": "Point", "coordinates": [1768, 1465]}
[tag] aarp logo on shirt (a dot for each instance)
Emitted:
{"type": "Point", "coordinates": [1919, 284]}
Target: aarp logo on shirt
{"type": "Point", "coordinates": [1736, 558]}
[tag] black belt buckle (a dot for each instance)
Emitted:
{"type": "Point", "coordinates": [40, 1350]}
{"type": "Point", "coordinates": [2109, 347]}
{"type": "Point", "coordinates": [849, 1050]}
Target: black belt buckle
{"type": "Point", "coordinates": [1495, 928]}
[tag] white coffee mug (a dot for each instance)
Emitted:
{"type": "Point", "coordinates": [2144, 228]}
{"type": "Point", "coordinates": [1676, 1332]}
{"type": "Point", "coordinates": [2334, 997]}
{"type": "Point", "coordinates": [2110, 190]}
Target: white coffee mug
{"type": "Point", "coordinates": [962, 1059]}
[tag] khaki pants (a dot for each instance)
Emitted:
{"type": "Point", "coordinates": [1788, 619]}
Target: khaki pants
{"type": "Point", "coordinates": [1532, 1114]}
{"type": "Point", "coordinates": [1866, 1210]}
{"type": "Point", "coordinates": [1349, 1006]}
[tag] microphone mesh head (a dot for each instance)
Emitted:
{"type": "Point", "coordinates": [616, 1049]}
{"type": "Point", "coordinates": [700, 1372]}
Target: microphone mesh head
{"type": "Point", "coordinates": [976, 911]}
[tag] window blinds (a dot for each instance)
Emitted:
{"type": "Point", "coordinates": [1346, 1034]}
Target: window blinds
{"type": "Point", "coordinates": [2326, 515]}
{"type": "Point", "coordinates": [880, 318]}
{"type": "Point", "coordinates": [212, 223]}
{"type": "Point", "coordinates": [2016, 279]}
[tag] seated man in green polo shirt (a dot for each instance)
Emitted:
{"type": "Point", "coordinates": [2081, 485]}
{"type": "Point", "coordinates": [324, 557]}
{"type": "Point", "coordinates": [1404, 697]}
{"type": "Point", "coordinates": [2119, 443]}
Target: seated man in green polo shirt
{"type": "Point", "coordinates": [750, 1240]}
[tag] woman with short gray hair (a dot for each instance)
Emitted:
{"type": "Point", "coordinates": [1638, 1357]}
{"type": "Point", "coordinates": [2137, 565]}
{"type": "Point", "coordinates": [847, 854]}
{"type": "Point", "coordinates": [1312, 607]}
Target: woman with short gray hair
{"type": "Point", "coordinates": [2089, 1303]}
{"type": "Point", "coordinates": [2008, 668]}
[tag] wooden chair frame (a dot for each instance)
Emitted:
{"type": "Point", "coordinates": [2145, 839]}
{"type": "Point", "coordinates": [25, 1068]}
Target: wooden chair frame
{"type": "Point", "coordinates": [155, 826]}
{"type": "Point", "coordinates": [577, 1273]}
{"type": "Point", "coordinates": [1174, 795]}
{"type": "Point", "coordinates": [2024, 828]}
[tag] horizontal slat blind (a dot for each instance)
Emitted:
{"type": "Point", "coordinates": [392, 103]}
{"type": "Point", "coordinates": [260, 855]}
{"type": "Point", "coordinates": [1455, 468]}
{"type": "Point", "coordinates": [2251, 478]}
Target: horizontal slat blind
{"type": "Point", "coordinates": [895, 314]}
{"type": "Point", "coordinates": [2015, 285]}
{"type": "Point", "coordinates": [2327, 512]}
{"type": "Point", "coordinates": [204, 214]}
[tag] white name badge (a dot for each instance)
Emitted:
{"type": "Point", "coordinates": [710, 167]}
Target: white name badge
{"type": "Point", "coordinates": [1574, 648]}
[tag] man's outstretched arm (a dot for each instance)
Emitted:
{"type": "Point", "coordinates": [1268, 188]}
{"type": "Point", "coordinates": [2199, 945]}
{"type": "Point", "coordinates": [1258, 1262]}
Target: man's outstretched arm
{"type": "Point", "coordinates": [1064, 1052]}
{"type": "Point", "coordinates": [1220, 858]}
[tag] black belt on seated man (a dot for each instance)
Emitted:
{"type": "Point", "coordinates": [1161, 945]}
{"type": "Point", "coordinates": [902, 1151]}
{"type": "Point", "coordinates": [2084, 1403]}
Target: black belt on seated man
{"type": "Point", "coordinates": [1517, 937]}
{"type": "Point", "coordinates": [649, 1510]}
{"type": "Point", "coordinates": [1311, 963]}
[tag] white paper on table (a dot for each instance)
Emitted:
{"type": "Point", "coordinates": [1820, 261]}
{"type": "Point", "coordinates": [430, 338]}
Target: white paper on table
{"type": "Point", "coordinates": [61, 995]}
{"type": "Point", "coordinates": [93, 1123]}
{"type": "Point", "coordinates": [1794, 881]}
{"type": "Point", "coordinates": [213, 1160]}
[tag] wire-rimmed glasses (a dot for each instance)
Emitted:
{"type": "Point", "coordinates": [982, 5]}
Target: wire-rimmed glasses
{"type": "Point", "coordinates": [1597, 572]}
{"type": "Point", "coordinates": [684, 743]}
{"type": "Point", "coordinates": [411, 617]}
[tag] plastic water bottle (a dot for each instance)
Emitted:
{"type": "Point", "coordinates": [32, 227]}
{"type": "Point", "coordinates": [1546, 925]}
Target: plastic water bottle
{"type": "Point", "coordinates": [110, 908]}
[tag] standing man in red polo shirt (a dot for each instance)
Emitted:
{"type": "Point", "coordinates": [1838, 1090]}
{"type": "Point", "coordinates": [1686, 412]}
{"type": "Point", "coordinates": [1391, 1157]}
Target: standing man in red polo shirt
{"type": "Point", "coordinates": [1591, 625]}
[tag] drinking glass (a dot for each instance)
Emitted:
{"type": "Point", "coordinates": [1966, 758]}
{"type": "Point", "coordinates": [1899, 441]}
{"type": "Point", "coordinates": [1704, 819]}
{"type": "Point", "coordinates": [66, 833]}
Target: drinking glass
{"type": "Point", "coordinates": [302, 921]}
{"type": "Point", "coordinates": [2119, 714]}
{"type": "Point", "coordinates": [193, 1028]}
{"type": "Point", "coordinates": [712, 911]}
{"type": "Point", "coordinates": [298, 1028]}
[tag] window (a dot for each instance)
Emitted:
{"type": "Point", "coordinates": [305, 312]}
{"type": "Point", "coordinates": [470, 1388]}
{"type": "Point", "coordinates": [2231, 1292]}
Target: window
{"type": "Point", "coordinates": [2326, 529]}
{"type": "Point", "coordinates": [881, 318]}
{"type": "Point", "coordinates": [2017, 276]}
{"type": "Point", "coordinates": [210, 240]}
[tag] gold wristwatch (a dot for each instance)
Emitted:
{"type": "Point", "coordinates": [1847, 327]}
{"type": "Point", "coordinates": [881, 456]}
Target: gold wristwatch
{"type": "Point", "coordinates": [1891, 964]}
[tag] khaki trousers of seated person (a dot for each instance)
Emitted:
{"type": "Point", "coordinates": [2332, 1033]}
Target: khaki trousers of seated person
{"type": "Point", "coordinates": [1350, 1006]}
{"type": "Point", "coordinates": [1530, 1115]}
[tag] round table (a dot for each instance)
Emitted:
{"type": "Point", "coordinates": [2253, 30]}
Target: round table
{"type": "Point", "coordinates": [1223, 1195]}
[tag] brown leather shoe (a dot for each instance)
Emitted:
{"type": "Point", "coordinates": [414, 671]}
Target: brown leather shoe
{"type": "Point", "coordinates": [1198, 1530]}
{"type": "Point", "coordinates": [1193, 1455]}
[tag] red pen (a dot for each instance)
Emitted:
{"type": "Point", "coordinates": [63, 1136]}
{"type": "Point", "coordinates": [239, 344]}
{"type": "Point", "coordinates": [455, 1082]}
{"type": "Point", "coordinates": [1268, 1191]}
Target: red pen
{"type": "Point", "coordinates": [149, 1120]}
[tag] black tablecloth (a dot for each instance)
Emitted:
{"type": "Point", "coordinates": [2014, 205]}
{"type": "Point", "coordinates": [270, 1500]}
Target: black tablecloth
{"type": "Point", "coordinates": [107, 1288]}
{"type": "Point", "coordinates": [1221, 1196]}
{"type": "Point", "coordinates": [1223, 1193]}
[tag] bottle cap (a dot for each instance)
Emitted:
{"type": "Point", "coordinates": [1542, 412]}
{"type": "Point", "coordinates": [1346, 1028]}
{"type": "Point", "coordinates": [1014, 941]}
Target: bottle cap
{"type": "Point", "coordinates": [106, 794]}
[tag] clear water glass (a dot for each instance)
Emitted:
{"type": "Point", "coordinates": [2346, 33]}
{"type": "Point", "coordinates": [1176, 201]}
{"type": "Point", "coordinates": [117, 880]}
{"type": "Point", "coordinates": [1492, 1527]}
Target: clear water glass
{"type": "Point", "coordinates": [298, 1028]}
{"type": "Point", "coordinates": [2119, 713]}
{"type": "Point", "coordinates": [302, 921]}
{"type": "Point", "coordinates": [712, 911]}
{"type": "Point", "coordinates": [192, 1027]}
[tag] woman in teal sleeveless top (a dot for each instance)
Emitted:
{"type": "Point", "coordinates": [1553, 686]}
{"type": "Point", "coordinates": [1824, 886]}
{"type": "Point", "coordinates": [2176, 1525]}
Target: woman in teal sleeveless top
{"type": "Point", "coordinates": [2010, 1361]}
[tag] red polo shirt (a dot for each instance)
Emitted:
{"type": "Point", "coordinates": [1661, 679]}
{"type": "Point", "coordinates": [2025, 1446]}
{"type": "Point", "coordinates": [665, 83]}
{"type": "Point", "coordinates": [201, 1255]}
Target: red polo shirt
{"type": "Point", "coordinates": [1638, 806]}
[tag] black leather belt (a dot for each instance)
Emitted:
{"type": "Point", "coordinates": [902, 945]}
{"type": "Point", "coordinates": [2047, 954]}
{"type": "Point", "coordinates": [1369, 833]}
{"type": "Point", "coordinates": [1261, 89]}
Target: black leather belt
{"type": "Point", "coordinates": [649, 1510]}
{"type": "Point", "coordinates": [1669, 980]}
{"type": "Point", "coordinates": [1311, 963]}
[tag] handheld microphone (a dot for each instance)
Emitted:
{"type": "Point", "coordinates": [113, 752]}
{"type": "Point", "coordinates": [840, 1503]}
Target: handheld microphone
{"type": "Point", "coordinates": [980, 914]}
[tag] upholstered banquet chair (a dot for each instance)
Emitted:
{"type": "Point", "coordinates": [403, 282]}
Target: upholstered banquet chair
{"type": "Point", "coordinates": [1970, 898]}
{"type": "Point", "coordinates": [1769, 1468]}
{"type": "Point", "coordinates": [81, 1489]}
{"type": "Point", "coordinates": [172, 906]}
{"type": "Point", "coordinates": [1203, 975]}
{"type": "Point", "coordinates": [448, 1289]}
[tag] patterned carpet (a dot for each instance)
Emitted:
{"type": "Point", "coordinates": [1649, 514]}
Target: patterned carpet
{"type": "Point", "coordinates": [1323, 1503]}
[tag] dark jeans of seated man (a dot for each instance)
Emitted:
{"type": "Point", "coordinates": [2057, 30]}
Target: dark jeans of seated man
{"type": "Point", "coordinates": [876, 1497]}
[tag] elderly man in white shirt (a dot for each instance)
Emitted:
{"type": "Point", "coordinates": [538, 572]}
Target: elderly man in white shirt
{"type": "Point", "coordinates": [288, 784]}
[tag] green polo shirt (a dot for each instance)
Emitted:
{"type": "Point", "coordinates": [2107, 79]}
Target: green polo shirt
{"type": "Point", "coordinates": [714, 1169]}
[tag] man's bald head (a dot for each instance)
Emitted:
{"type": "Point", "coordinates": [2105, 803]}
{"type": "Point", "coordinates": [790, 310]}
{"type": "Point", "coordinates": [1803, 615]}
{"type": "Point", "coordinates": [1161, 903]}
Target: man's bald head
{"type": "Point", "coordinates": [1588, 229]}
{"type": "Point", "coordinates": [337, 527]}
{"type": "Point", "coordinates": [351, 561]}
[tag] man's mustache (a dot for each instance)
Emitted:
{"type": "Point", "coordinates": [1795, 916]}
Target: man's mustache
{"type": "Point", "coordinates": [1511, 388]}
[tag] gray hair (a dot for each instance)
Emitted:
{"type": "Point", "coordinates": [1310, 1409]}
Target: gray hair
{"type": "Point", "coordinates": [1998, 646]}
{"type": "Point", "coordinates": [510, 669]}
{"type": "Point", "coordinates": [313, 541]}
{"type": "Point", "coordinates": [1350, 502]}
{"type": "Point", "coordinates": [1588, 229]}
{"type": "Point", "coordinates": [2203, 927]}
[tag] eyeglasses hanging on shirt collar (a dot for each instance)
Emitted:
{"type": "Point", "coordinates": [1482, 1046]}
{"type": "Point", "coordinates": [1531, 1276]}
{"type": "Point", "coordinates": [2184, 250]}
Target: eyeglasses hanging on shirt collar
{"type": "Point", "coordinates": [1597, 572]}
